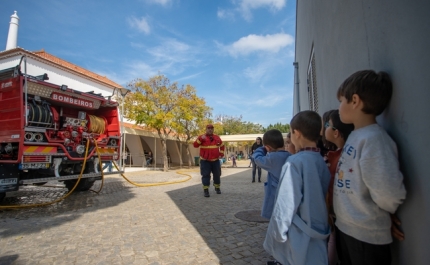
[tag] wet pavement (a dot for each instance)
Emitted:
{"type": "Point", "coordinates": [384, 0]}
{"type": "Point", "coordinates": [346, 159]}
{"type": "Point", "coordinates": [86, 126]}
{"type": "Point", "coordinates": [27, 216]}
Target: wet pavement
{"type": "Point", "coordinates": [125, 224]}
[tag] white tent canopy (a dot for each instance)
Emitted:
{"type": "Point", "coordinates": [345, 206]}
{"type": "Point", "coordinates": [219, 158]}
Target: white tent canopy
{"type": "Point", "coordinates": [243, 137]}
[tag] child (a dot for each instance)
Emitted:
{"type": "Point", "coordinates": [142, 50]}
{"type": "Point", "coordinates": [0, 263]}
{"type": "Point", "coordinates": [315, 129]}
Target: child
{"type": "Point", "coordinates": [271, 157]}
{"type": "Point", "coordinates": [289, 146]}
{"type": "Point", "coordinates": [335, 132]}
{"type": "Point", "coordinates": [298, 228]}
{"type": "Point", "coordinates": [327, 146]}
{"type": "Point", "coordinates": [108, 165]}
{"type": "Point", "coordinates": [368, 183]}
{"type": "Point", "coordinates": [233, 158]}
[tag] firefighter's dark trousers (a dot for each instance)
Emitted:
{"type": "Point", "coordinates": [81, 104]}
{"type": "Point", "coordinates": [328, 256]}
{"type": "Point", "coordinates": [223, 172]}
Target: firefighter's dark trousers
{"type": "Point", "coordinates": [206, 167]}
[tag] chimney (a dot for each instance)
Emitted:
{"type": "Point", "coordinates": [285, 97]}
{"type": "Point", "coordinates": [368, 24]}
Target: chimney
{"type": "Point", "coordinates": [12, 37]}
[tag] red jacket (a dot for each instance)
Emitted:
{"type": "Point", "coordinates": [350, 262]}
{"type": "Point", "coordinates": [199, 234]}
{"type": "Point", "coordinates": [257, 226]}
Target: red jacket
{"type": "Point", "coordinates": [211, 148]}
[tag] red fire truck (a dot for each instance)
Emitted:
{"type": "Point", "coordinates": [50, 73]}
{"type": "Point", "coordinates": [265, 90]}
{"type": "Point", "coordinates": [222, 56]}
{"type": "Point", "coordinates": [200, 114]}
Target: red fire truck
{"type": "Point", "coordinates": [45, 128]}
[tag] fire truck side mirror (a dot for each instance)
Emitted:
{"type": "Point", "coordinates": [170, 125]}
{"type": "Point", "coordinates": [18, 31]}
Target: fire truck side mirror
{"type": "Point", "coordinates": [42, 77]}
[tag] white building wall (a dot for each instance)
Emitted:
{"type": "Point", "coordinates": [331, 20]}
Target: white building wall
{"type": "Point", "coordinates": [348, 36]}
{"type": "Point", "coordinates": [56, 75]}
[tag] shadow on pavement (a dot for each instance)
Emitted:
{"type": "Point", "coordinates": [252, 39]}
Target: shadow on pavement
{"type": "Point", "coordinates": [8, 259]}
{"type": "Point", "coordinates": [18, 221]}
{"type": "Point", "coordinates": [233, 240]}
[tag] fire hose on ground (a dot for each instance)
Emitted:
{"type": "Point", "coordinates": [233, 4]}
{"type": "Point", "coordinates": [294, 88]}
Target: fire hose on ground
{"type": "Point", "coordinates": [101, 186]}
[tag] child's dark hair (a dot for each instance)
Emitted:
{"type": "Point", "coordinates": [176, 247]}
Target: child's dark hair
{"type": "Point", "coordinates": [374, 89]}
{"type": "Point", "coordinates": [343, 128]}
{"type": "Point", "coordinates": [328, 146]}
{"type": "Point", "coordinates": [308, 123]}
{"type": "Point", "coordinates": [273, 138]}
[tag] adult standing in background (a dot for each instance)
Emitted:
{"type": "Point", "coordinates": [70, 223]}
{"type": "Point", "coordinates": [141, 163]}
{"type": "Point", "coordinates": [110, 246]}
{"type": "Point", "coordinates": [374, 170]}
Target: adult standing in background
{"type": "Point", "coordinates": [258, 143]}
{"type": "Point", "coordinates": [211, 150]}
{"type": "Point", "coordinates": [149, 158]}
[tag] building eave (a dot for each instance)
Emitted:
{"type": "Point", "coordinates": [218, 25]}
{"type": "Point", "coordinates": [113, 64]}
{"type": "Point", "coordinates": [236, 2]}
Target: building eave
{"type": "Point", "coordinates": [77, 71]}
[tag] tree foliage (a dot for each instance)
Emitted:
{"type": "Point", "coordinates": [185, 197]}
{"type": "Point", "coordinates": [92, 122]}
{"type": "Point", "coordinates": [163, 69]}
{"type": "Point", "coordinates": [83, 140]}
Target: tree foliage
{"type": "Point", "coordinates": [230, 125]}
{"type": "Point", "coordinates": [191, 116]}
{"type": "Point", "coordinates": [283, 128]}
{"type": "Point", "coordinates": [165, 107]}
{"type": "Point", "coordinates": [235, 125]}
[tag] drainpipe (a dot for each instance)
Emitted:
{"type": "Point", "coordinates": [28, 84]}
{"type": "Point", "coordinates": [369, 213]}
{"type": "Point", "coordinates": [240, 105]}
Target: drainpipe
{"type": "Point", "coordinates": [296, 105]}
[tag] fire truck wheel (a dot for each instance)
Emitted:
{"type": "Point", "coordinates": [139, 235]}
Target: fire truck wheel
{"type": "Point", "coordinates": [2, 195]}
{"type": "Point", "coordinates": [84, 184]}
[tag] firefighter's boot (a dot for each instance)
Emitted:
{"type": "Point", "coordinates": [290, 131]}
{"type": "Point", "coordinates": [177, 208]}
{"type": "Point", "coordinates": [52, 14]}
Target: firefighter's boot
{"type": "Point", "coordinates": [259, 179]}
{"type": "Point", "coordinates": [218, 190]}
{"type": "Point", "coordinates": [206, 192]}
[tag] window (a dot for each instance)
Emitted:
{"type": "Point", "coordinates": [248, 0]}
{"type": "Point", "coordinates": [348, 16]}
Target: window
{"type": "Point", "coordinates": [312, 84]}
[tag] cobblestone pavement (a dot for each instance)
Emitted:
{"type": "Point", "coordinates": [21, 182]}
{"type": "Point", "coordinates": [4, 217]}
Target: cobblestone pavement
{"type": "Point", "coordinates": [125, 224]}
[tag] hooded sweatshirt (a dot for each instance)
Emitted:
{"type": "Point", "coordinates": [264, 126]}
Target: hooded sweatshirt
{"type": "Point", "coordinates": [368, 185]}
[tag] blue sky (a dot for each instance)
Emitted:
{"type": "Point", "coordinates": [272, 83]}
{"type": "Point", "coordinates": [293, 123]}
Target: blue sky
{"type": "Point", "coordinates": [238, 54]}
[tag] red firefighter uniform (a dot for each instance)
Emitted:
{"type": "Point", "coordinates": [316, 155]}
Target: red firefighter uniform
{"type": "Point", "coordinates": [211, 148]}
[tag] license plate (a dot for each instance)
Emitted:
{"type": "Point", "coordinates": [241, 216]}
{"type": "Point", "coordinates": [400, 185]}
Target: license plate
{"type": "Point", "coordinates": [33, 165]}
{"type": "Point", "coordinates": [4, 182]}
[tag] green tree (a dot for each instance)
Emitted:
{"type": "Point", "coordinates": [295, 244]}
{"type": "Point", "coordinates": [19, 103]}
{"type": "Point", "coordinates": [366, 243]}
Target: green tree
{"type": "Point", "coordinates": [191, 117]}
{"type": "Point", "coordinates": [235, 125]}
{"type": "Point", "coordinates": [283, 128]}
{"type": "Point", "coordinates": [154, 103]}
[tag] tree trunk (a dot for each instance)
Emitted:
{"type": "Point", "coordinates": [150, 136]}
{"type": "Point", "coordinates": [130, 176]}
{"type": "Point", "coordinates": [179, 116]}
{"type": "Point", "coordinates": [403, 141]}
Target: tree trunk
{"type": "Point", "coordinates": [189, 155]}
{"type": "Point", "coordinates": [180, 155]}
{"type": "Point", "coordinates": [165, 161]}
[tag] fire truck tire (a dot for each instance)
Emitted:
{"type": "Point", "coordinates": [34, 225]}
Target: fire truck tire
{"type": "Point", "coordinates": [84, 184]}
{"type": "Point", "coordinates": [2, 195]}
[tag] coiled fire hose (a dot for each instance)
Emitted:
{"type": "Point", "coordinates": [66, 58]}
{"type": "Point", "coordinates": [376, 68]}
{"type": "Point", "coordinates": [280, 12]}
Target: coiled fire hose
{"type": "Point", "coordinates": [97, 124]}
{"type": "Point", "coordinates": [155, 184]}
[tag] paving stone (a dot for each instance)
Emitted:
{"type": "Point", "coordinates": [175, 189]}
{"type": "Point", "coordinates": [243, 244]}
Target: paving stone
{"type": "Point", "coordinates": [125, 224]}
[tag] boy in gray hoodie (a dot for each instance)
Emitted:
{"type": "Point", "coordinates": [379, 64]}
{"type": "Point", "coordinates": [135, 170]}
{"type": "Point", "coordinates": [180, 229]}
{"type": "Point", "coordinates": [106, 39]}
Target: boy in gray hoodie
{"type": "Point", "coordinates": [368, 184]}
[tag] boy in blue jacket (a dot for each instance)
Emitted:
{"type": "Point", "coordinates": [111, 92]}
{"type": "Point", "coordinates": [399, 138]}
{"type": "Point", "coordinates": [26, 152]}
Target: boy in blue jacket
{"type": "Point", "coordinates": [298, 228]}
{"type": "Point", "coordinates": [271, 157]}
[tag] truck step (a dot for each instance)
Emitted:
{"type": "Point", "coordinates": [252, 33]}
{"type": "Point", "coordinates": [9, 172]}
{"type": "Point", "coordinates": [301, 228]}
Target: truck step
{"type": "Point", "coordinates": [88, 175]}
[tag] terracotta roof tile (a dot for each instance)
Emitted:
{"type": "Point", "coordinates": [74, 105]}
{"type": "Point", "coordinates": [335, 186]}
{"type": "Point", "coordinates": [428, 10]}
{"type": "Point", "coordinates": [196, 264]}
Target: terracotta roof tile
{"type": "Point", "coordinates": [74, 67]}
{"type": "Point", "coordinates": [62, 63]}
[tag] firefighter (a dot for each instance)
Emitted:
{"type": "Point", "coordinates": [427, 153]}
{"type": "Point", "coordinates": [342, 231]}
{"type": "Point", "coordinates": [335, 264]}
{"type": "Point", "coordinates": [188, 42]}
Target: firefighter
{"type": "Point", "coordinates": [211, 150]}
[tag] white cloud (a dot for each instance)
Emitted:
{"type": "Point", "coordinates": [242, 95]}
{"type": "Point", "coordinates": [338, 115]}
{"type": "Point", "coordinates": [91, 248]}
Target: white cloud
{"type": "Point", "coordinates": [171, 51]}
{"type": "Point", "coordinates": [189, 76]}
{"type": "Point", "coordinates": [225, 14]}
{"type": "Point", "coordinates": [141, 24]}
{"type": "Point", "coordinates": [160, 2]}
{"type": "Point", "coordinates": [245, 7]}
{"type": "Point", "coordinates": [271, 99]}
{"type": "Point", "coordinates": [256, 73]}
{"type": "Point", "coordinates": [254, 4]}
{"type": "Point", "coordinates": [258, 43]}
{"type": "Point", "coordinates": [267, 66]}
{"type": "Point", "coordinates": [171, 57]}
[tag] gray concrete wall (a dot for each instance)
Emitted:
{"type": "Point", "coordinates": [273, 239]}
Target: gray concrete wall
{"type": "Point", "coordinates": [392, 36]}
